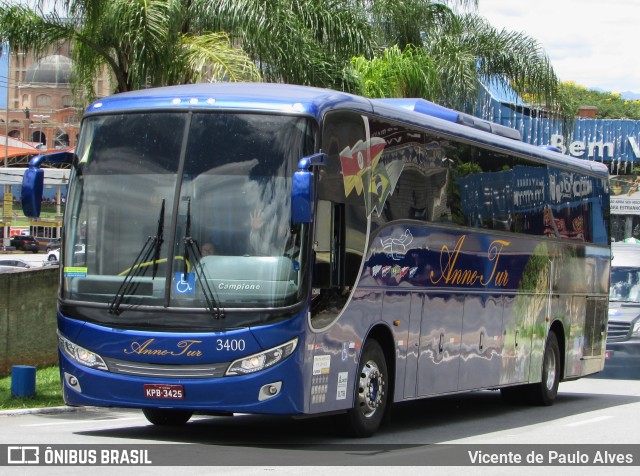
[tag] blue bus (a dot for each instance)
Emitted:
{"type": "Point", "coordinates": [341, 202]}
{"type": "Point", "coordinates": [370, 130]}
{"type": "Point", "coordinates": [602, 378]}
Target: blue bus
{"type": "Point", "coordinates": [279, 249]}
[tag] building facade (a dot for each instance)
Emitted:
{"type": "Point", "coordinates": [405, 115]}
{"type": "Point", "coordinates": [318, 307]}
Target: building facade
{"type": "Point", "coordinates": [42, 116]}
{"type": "Point", "coordinates": [41, 108]}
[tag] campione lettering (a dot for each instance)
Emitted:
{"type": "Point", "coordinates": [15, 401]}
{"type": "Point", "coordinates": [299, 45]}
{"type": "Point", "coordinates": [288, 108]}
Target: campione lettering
{"type": "Point", "coordinates": [239, 287]}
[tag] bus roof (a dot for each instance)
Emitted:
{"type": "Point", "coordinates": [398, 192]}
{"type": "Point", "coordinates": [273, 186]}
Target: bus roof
{"type": "Point", "coordinates": [267, 97]}
{"type": "Point", "coordinates": [316, 102]}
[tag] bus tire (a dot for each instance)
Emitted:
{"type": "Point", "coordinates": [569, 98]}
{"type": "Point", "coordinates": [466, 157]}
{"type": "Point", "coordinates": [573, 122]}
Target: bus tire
{"type": "Point", "coordinates": [544, 393]}
{"type": "Point", "coordinates": [164, 417]}
{"type": "Point", "coordinates": [371, 392]}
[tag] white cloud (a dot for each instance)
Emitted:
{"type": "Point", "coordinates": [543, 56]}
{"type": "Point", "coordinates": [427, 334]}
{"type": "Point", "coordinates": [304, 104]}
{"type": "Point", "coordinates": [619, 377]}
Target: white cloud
{"type": "Point", "coordinates": [591, 42]}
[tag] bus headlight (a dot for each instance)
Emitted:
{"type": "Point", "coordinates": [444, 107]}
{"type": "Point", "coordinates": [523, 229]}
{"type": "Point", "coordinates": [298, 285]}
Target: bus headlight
{"type": "Point", "coordinates": [635, 332]}
{"type": "Point", "coordinates": [80, 355]}
{"type": "Point", "coordinates": [262, 360]}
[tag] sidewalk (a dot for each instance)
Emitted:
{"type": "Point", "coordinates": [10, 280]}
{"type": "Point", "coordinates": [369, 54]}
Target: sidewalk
{"type": "Point", "coordinates": [43, 410]}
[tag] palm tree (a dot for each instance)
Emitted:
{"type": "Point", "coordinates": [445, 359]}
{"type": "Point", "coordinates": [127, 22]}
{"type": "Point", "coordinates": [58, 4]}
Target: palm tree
{"type": "Point", "coordinates": [410, 47]}
{"type": "Point", "coordinates": [156, 42]}
{"type": "Point", "coordinates": [454, 50]}
{"type": "Point", "coordinates": [142, 42]}
{"type": "Point", "coordinates": [296, 41]}
{"type": "Point", "coordinates": [466, 44]}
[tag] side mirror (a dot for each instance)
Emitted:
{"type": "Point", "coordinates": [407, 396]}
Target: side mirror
{"type": "Point", "coordinates": [303, 189]}
{"type": "Point", "coordinates": [33, 181]}
{"type": "Point", "coordinates": [32, 185]}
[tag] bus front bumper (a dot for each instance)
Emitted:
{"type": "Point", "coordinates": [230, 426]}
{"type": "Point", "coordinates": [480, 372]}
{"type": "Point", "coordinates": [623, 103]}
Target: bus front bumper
{"type": "Point", "coordinates": [277, 390]}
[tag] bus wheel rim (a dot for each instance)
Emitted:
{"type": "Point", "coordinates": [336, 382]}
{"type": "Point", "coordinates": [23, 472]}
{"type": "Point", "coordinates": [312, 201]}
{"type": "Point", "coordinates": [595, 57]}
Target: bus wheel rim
{"type": "Point", "coordinates": [370, 389]}
{"type": "Point", "coordinates": [551, 370]}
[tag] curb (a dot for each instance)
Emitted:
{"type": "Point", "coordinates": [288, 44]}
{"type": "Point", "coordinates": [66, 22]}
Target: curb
{"type": "Point", "coordinates": [44, 410]}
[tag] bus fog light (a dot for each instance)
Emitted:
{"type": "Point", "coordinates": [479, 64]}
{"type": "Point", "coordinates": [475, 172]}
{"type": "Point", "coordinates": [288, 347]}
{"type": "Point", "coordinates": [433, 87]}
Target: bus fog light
{"type": "Point", "coordinates": [269, 391]}
{"type": "Point", "coordinates": [263, 360]}
{"type": "Point", "coordinates": [72, 382]}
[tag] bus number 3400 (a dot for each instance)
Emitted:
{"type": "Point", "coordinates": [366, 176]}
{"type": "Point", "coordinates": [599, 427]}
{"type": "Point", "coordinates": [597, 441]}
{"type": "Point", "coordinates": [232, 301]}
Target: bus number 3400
{"type": "Point", "coordinates": [230, 344]}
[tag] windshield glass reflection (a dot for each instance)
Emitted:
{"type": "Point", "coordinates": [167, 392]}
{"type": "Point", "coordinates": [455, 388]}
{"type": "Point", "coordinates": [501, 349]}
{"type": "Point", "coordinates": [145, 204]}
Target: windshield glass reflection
{"type": "Point", "coordinates": [226, 193]}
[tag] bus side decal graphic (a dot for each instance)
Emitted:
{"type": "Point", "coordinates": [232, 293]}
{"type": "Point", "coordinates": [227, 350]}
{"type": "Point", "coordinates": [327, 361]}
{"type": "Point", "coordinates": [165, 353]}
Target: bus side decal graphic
{"type": "Point", "coordinates": [363, 172]}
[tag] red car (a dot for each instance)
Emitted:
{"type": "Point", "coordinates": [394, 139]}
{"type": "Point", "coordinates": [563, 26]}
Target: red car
{"type": "Point", "coordinates": [25, 243]}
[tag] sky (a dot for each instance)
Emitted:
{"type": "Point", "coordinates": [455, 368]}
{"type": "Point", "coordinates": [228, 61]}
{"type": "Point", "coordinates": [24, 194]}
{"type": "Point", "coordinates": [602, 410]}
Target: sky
{"type": "Point", "coordinates": [593, 43]}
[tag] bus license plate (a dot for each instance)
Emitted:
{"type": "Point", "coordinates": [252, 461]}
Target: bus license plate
{"type": "Point", "coordinates": [172, 392]}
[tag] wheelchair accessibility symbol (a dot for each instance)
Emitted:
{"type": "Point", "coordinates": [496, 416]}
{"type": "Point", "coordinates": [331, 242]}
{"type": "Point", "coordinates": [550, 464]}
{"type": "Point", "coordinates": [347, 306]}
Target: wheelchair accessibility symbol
{"type": "Point", "coordinates": [184, 283]}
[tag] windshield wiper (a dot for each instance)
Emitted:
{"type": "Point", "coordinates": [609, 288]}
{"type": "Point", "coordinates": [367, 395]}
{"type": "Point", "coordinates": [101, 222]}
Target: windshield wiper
{"type": "Point", "coordinates": [159, 239]}
{"type": "Point", "coordinates": [152, 245]}
{"type": "Point", "coordinates": [192, 246]}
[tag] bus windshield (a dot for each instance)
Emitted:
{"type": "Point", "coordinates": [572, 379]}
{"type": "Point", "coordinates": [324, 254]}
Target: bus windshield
{"type": "Point", "coordinates": [187, 210]}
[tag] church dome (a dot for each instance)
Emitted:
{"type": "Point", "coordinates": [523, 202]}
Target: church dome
{"type": "Point", "coordinates": [50, 69]}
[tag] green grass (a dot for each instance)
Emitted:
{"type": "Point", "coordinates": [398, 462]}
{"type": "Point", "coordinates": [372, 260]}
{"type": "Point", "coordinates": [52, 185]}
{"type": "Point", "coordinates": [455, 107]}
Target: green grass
{"type": "Point", "coordinates": [48, 391]}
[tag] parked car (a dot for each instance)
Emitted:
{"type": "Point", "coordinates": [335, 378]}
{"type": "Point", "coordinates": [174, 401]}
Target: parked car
{"type": "Point", "coordinates": [13, 265]}
{"type": "Point", "coordinates": [53, 256]}
{"type": "Point", "coordinates": [623, 330]}
{"type": "Point", "coordinates": [25, 243]}
{"type": "Point", "coordinates": [54, 245]}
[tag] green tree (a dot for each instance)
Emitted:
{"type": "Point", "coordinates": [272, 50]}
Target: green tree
{"type": "Point", "coordinates": [142, 42]}
{"type": "Point", "coordinates": [158, 42]}
{"type": "Point", "coordinates": [454, 50]}
{"type": "Point", "coordinates": [396, 73]}
{"type": "Point", "coordinates": [607, 104]}
{"type": "Point", "coordinates": [419, 48]}
{"type": "Point", "coordinates": [296, 41]}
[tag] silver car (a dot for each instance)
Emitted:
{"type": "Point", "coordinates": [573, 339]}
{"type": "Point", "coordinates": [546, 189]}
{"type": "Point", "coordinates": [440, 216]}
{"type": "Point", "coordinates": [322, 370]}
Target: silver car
{"type": "Point", "coordinates": [13, 265]}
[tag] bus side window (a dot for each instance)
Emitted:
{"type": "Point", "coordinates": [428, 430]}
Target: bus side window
{"type": "Point", "coordinates": [341, 218]}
